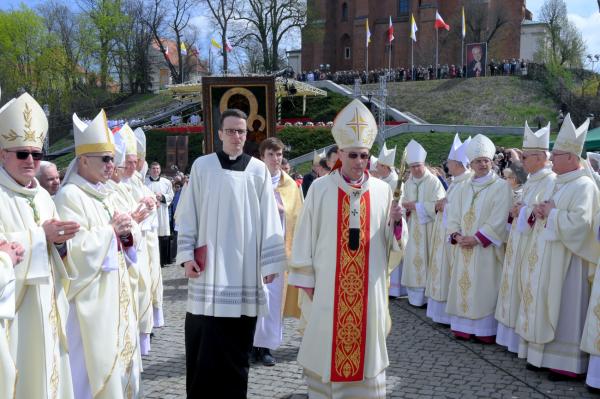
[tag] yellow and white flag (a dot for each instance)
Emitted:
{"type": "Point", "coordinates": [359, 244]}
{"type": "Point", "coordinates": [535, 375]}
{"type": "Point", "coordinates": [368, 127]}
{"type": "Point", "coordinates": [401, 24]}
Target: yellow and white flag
{"type": "Point", "coordinates": [216, 44]}
{"type": "Point", "coordinates": [464, 24]}
{"type": "Point", "coordinates": [413, 28]}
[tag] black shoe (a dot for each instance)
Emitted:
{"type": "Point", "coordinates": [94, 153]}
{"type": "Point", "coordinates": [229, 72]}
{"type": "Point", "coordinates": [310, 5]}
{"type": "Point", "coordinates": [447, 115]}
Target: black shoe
{"type": "Point", "coordinates": [595, 391]}
{"type": "Point", "coordinates": [266, 358]}
{"type": "Point", "coordinates": [531, 367]}
{"type": "Point", "coordinates": [555, 377]}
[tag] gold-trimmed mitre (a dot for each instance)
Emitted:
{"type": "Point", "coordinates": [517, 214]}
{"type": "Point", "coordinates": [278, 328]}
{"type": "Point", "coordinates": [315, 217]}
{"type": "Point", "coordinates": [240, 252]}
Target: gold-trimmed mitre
{"type": "Point", "coordinates": [128, 137]}
{"type": "Point", "coordinates": [354, 127]}
{"type": "Point", "coordinates": [480, 147]}
{"type": "Point", "coordinates": [92, 138]}
{"type": "Point", "coordinates": [23, 123]}
{"type": "Point", "coordinates": [539, 140]}
{"type": "Point", "coordinates": [571, 139]}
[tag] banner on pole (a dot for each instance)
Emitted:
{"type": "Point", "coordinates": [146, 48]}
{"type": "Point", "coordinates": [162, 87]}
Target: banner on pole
{"type": "Point", "coordinates": [476, 59]}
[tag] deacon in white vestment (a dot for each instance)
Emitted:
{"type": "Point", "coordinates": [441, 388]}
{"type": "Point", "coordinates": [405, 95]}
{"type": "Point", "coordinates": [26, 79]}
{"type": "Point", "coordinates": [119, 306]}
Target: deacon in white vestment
{"type": "Point", "coordinates": [442, 253]}
{"type": "Point", "coordinates": [102, 327]}
{"type": "Point", "coordinates": [523, 234]}
{"type": "Point", "coordinates": [269, 328]}
{"type": "Point", "coordinates": [384, 169]}
{"type": "Point", "coordinates": [556, 288]}
{"type": "Point", "coordinates": [343, 239]}
{"type": "Point", "coordinates": [421, 193]}
{"type": "Point", "coordinates": [477, 226]}
{"type": "Point", "coordinates": [231, 243]}
{"type": "Point", "coordinates": [163, 190]}
{"type": "Point", "coordinates": [36, 335]}
{"type": "Point", "coordinates": [11, 254]}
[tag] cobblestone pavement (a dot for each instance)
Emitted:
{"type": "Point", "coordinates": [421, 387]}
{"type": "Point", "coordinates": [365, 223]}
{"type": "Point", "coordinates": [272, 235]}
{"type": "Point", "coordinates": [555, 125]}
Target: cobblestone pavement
{"type": "Point", "coordinates": [426, 361]}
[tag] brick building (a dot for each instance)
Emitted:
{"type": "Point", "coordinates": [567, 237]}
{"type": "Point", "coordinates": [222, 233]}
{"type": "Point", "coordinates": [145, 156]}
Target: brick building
{"type": "Point", "coordinates": [336, 34]}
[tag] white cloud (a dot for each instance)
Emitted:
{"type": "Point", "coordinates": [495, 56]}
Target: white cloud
{"type": "Point", "coordinates": [590, 29]}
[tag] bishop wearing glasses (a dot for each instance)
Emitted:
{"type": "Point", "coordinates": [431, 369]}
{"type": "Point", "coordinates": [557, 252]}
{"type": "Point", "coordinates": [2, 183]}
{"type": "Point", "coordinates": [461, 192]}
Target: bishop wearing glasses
{"type": "Point", "coordinates": [102, 348]}
{"type": "Point", "coordinates": [343, 238]}
{"type": "Point", "coordinates": [33, 303]}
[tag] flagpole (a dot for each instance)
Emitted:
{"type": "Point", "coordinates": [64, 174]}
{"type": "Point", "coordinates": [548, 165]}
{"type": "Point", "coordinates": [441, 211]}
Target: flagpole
{"type": "Point", "coordinates": [390, 60]}
{"type": "Point", "coordinates": [367, 63]}
{"type": "Point", "coordinates": [462, 55]}
{"type": "Point", "coordinates": [436, 52]}
{"type": "Point", "coordinates": [412, 59]}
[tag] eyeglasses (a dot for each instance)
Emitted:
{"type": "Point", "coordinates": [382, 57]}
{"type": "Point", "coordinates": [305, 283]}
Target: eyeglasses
{"type": "Point", "coordinates": [239, 132]}
{"type": "Point", "coordinates": [105, 158]}
{"type": "Point", "coordinates": [554, 155]}
{"type": "Point", "coordinates": [362, 155]}
{"type": "Point", "coordinates": [23, 155]}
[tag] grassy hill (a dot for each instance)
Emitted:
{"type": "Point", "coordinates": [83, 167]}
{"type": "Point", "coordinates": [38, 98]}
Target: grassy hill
{"type": "Point", "coordinates": [496, 101]}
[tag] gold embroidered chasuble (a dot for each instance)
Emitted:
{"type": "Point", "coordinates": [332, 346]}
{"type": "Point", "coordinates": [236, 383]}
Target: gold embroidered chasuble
{"type": "Point", "coordinates": [139, 270]}
{"type": "Point", "coordinates": [101, 294]}
{"type": "Point", "coordinates": [37, 333]}
{"type": "Point", "coordinates": [521, 249]}
{"type": "Point", "coordinates": [565, 234]}
{"type": "Point", "coordinates": [482, 206]}
{"type": "Point", "coordinates": [442, 253]}
{"type": "Point", "coordinates": [320, 261]}
{"type": "Point", "coordinates": [425, 191]}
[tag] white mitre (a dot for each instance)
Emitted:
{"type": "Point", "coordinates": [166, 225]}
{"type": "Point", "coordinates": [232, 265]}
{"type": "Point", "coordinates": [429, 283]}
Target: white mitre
{"type": "Point", "coordinates": [354, 127]}
{"type": "Point", "coordinates": [387, 157]}
{"type": "Point", "coordinates": [124, 138]}
{"type": "Point", "coordinates": [23, 123]}
{"type": "Point", "coordinates": [92, 138]}
{"type": "Point", "coordinates": [480, 147]}
{"type": "Point", "coordinates": [461, 153]}
{"type": "Point", "coordinates": [571, 139]}
{"type": "Point", "coordinates": [593, 156]}
{"type": "Point", "coordinates": [120, 150]}
{"type": "Point", "coordinates": [539, 140]}
{"type": "Point", "coordinates": [455, 146]}
{"type": "Point", "coordinates": [373, 163]}
{"type": "Point", "coordinates": [316, 158]}
{"type": "Point", "coordinates": [415, 153]}
{"type": "Point", "coordinates": [140, 138]}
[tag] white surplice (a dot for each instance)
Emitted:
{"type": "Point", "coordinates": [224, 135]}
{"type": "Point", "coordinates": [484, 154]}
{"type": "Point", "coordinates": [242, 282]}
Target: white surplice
{"type": "Point", "coordinates": [165, 187]}
{"type": "Point", "coordinates": [8, 371]}
{"type": "Point", "coordinates": [242, 233]}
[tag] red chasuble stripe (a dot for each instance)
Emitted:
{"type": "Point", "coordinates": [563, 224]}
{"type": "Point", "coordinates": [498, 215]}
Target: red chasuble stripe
{"type": "Point", "coordinates": [350, 295]}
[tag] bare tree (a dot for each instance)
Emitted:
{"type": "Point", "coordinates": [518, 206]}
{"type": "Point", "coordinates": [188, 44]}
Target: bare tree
{"type": "Point", "coordinates": [268, 22]}
{"type": "Point", "coordinates": [566, 43]}
{"type": "Point", "coordinates": [484, 22]}
{"type": "Point", "coordinates": [223, 13]}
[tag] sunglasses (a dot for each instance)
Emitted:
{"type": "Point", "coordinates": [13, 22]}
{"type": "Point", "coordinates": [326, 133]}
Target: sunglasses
{"type": "Point", "coordinates": [105, 158]}
{"type": "Point", "coordinates": [23, 155]}
{"type": "Point", "coordinates": [362, 155]}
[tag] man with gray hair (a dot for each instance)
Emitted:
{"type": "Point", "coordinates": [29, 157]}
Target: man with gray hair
{"type": "Point", "coordinates": [48, 177]}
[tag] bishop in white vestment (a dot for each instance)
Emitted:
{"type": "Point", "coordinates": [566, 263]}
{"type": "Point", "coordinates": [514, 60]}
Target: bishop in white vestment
{"type": "Point", "coordinates": [36, 334]}
{"type": "Point", "coordinates": [102, 327]}
{"type": "Point", "coordinates": [521, 245]}
{"type": "Point", "coordinates": [421, 193]}
{"type": "Point", "coordinates": [340, 253]}
{"type": "Point", "coordinates": [477, 227]}
{"type": "Point", "coordinates": [442, 253]}
{"type": "Point", "coordinates": [556, 288]}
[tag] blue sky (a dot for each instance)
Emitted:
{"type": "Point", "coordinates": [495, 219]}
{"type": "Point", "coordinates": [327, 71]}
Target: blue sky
{"type": "Point", "coordinates": [584, 13]}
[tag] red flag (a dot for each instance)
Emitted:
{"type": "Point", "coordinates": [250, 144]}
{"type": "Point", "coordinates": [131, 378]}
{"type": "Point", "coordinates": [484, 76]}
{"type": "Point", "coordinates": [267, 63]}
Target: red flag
{"type": "Point", "coordinates": [439, 22]}
{"type": "Point", "coordinates": [390, 31]}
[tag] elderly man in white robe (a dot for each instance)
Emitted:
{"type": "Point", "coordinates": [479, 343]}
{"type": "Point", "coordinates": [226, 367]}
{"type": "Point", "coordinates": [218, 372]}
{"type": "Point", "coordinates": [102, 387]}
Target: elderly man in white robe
{"type": "Point", "coordinates": [48, 177]}
{"type": "Point", "coordinates": [557, 290]}
{"type": "Point", "coordinates": [230, 243]}
{"type": "Point", "coordinates": [523, 235]}
{"type": "Point", "coordinates": [11, 254]}
{"type": "Point", "coordinates": [477, 227]}
{"type": "Point", "coordinates": [163, 190]}
{"type": "Point", "coordinates": [442, 253]}
{"type": "Point", "coordinates": [101, 297]}
{"type": "Point", "coordinates": [421, 192]}
{"type": "Point", "coordinates": [36, 335]}
{"type": "Point", "coordinates": [347, 228]}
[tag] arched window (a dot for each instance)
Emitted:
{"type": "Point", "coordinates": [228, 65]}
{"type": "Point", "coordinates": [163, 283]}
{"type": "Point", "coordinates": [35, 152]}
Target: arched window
{"type": "Point", "coordinates": [403, 7]}
{"type": "Point", "coordinates": [344, 11]}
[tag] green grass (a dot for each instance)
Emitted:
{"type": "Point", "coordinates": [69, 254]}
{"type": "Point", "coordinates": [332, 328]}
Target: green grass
{"type": "Point", "coordinates": [140, 104]}
{"type": "Point", "coordinates": [495, 101]}
{"type": "Point", "coordinates": [61, 143]}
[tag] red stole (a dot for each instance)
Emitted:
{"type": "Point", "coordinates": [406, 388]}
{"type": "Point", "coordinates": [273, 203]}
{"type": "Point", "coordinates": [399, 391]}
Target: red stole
{"type": "Point", "coordinates": [351, 294]}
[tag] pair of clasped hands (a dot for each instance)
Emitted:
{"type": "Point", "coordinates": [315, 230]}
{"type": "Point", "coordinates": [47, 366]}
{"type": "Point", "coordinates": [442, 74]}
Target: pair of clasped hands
{"type": "Point", "coordinates": [122, 222]}
{"type": "Point", "coordinates": [540, 211]}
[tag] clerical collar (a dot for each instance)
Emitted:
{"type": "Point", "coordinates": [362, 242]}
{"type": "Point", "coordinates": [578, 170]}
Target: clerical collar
{"type": "Point", "coordinates": [358, 182]}
{"type": "Point", "coordinates": [276, 179]}
{"type": "Point", "coordinates": [153, 179]}
{"type": "Point", "coordinates": [542, 171]}
{"type": "Point", "coordinates": [238, 164]}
